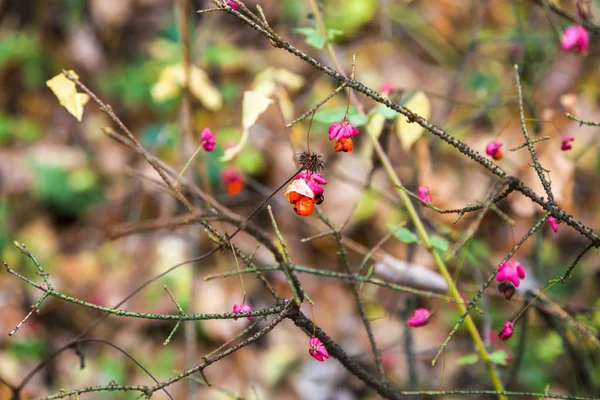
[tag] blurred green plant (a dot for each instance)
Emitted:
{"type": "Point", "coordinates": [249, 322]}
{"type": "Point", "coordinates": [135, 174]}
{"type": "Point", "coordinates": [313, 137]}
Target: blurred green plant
{"type": "Point", "coordinates": [131, 83]}
{"type": "Point", "coordinates": [66, 193]}
{"type": "Point", "coordinates": [22, 128]}
{"type": "Point", "coordinates": [164, 137]}
{"type": "Point", "coordinates": [27, 349]}
{"type": "Point", "coordinates": [291, 9]}
{"type": "Point", "coordinates": [24, 48]}
{"type": "Point", "coordinates": [349, 16]}
{"type": "Point", "coordinates": [112, 369]}
{"type": "Point", "coordinates": [222, 54]}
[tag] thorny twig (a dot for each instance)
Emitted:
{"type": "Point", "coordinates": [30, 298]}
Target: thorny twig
{"type": "Point", "coordinates": [359, 304]}
{"type": "Point", "coordinates": [536, 164]}
{"type": "Point", "coordinates": [487, 283]}
{"type": "Point", "coordinates": [515, 183]}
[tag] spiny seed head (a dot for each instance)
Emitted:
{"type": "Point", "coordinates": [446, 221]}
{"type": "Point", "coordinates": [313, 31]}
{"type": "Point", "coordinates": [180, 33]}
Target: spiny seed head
{"type": "Point", "coordinates": [313, 162]}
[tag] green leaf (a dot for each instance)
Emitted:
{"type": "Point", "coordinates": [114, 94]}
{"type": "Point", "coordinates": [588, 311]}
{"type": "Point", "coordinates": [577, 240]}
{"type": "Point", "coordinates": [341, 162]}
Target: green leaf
{"type": "Point", "coordinates": [403, 234]}
{"type": "Point", "coordinates": [332, 115]}
{"type": "Point", "coordinates": [408, 95]}
{"type": "Point", "coordinates": [498, 357]}
{"type": "Point", "coordinates": [469, 359]}
{"type": "Point", "coordinates": [385, 112]}
{"type": "Point", "coordinates": [337, 115]}
{"type": "Point", "coordinates": [313, 37]}
{"type": "Point", "coordinates": [333, 33]}
{"type": "Point", "coordinates": [358, 120]}
{"type": "Point", "coordinates": [439, 243]}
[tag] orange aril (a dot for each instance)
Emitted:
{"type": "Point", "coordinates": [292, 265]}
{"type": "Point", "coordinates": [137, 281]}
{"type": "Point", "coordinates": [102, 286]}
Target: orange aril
{"type": "Point", "coordinates": [235, 187]}
{"type": "Point", "coordinates": [345, 144]}
{"type": "Point", "coordinates": [293, 197]}
{"type": "Point", "coordinates": [304, 206]}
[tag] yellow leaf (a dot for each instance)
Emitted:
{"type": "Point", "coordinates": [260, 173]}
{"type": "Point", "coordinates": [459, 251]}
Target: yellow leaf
{"type": "Point", "coordinates": [376, 123]}
{"type": "Point", "coordinates": [204, 90]}
{"type": "Point", "coordinates": [409, 133]}
{"type": "Point", "coordinates": [66, 92]}
{"type": "Point", "coordinates": [171, 81]}
{"type": "Point", "coordinates": [269, 79]}
{"type": "Point", "coordinates": [277, 82]}
{"type": "Point", "coordinates": [374, 126]}
{"type": "Point", "coordinates": [253, 105]}
{"type": "Point", "coordinates": [163, 91]}
{"type": "Point", "coordinates": [289, 79]}
{"type": "Point", "coordinates": [164, 50]}
{"type": "Point", "coordinates": [168, 85]}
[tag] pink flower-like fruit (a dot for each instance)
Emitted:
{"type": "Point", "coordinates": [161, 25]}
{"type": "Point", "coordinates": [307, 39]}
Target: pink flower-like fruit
{"type": "Point", "coordinates": [566, 143]}
{"type": "Point", "coordinates": [317, 350]}
{"type": "Point", "coordinates": [575, 37]}
{"type": "Point", "coordinates": [493, 149]}
{"type": "Point", "coordinates": [553, 223]}
{"type": "Point", "coordinates": [305, 191]}
{"type": "Point", "coordinates": [342, 130]}
{"type": "Point", "coordinates": [242, 308]}
{"type": "Point", "coordinates": [387, 88]}
{"type": "Point", "coordinates": [507, 331]}
{"type": "Point", "coordinates": [419, 318]}
{"type": "Point", "coordinates": [423, 193]}
{"type": "Point", "coordinates": [207, 140]}
{"type": "Point", "coordinates": [314, 181]}
{"type": "Point", "coordinates": [510, 271]}
{"type": "Point", "coordinates": [233, 4]}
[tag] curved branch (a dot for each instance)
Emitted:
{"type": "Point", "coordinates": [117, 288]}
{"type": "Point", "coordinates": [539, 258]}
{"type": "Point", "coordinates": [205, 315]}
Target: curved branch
{"type": "Point", "coordinates": [462, 147]}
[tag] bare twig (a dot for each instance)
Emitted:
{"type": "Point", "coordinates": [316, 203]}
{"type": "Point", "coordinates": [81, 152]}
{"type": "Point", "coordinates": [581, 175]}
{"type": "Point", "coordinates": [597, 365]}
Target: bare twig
{"type": "Point", "coordinates": [359, 304]}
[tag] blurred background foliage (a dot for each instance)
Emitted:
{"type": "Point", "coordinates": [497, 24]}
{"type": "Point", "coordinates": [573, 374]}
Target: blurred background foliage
{"type": "Point", "coordinates": [65, 186]}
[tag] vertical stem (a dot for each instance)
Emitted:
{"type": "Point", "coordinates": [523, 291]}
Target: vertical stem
{"type": "Point", "coordinates": [187, 137]}
{"type": "Point", "coordinates": [438, 261]}
{"type": "Point", "coordinates": [419, 227]}
{"type": "Point", "coordinates": [323, 29]}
